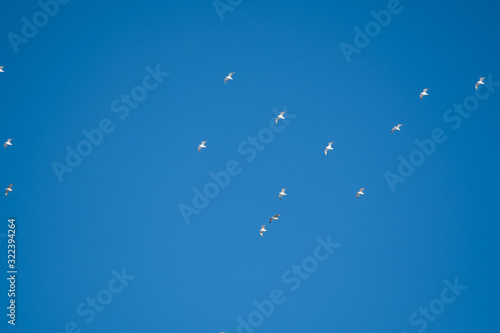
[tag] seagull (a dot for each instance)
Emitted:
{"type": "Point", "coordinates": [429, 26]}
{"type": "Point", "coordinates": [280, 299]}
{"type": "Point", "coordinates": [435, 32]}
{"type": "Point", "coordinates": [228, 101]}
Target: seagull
{"type": "Point", "coordinates": [280, 116]}
{"type": "Point", "coordinates": [228, 77]}
{"type": "Point", "coordinates": [396, 127]}
{"type": "Point", "coordinates": [329, 147]}
{"type": "Point", "coordinates": [275, 217]}
{"type": "Point", "coordinates": [424, 93]}
{"type": "Point", "coordinates": [202, 145]}
{"type": "Point", "coordinates": [7, 143]}
{"type": "Point", "coordinates": [360, 192]}
{"type": "Point", "coordinates": [262, 229]}
{"type": "Point", "coordinates": [1, 69]}
{"type": "Point", "coordinates": [282, 193]}
{"type": "Point", "coordinates": [8, 189]}
{"type": "Point", "coordinates": [480, 82]}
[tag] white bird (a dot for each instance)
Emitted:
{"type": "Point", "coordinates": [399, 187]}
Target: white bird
{"type": "Point", "coordinates": [275, 217]}
{"type": "Point", "coordinates": [262, 229]}
{"type": "Point", "coordinates": [8, 189]}
{"type": "Point", "coordinates": [360, 192]}
{"type": "Point", "coordinates": [1, 69]}
{"type": "Point", "coordinates": [280, 116]}
{"type": "Point", "coordinates": [228, 77]}
{"type": "Point", "coordinates": [202, 145]}
{"type": "Point", "coordinates": [329, 147]}
{"type": "Point", "coordinates": [480, 82]}
{"type": "Point", "coordinates": [7, 143]}
{"type": "Point", "coordinates": [282, 193]}
{"type": "Point", "coordinates": [424, 93]}
{"type": "Point", "coordinates": [396, 127]}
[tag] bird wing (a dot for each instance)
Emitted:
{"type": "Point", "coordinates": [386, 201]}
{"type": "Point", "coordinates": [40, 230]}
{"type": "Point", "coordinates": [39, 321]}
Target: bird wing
{"type": "Point", "coordinates": [326, 151]}
{"type": "Point", "coordinates": [282, 113]}
{"type": "Point", "coordinates": [361, 189]}
{"type": "Point", "coordinates": [5, 145]}
{"type": "Point", "coordinates": [6, 192]}
{"type": "Point", "coordinates": [480, 80]}
{"type": "Point", "coordinates": [392, 130]}
{"type": "Point", "coordinates": [276, 120]}
{"type": "Point", "coordinates": [225, 80]}
{"type": "Point", "coordinates": [425, 90]}
{"type": "Point", "coordinates": [203, 142]}
{"type": "Point", "coordinates": [280, 196]}
{"type": "Point", "coordinates": [199, 148]}
{"type": "Point", "coordinates": [357, 195]}
{"type": "Point", "coordinates": [421, 95]}
{"type": "Point", "coordinates": [9, 140]}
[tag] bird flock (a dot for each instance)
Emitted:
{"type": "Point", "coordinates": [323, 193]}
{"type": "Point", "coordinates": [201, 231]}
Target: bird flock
{"type": "Point", "coordinates": [327, 148]}
{"type": "Point", "coordinates": [280, 116]}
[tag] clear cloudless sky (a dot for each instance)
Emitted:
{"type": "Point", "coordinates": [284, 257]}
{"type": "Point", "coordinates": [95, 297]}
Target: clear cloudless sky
{"type": "Point", "coordinates": [119, 208]}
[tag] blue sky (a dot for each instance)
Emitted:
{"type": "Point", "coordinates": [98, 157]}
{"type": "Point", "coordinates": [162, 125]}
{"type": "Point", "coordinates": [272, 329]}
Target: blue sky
{"type": "Point", "coordinates": [112, 227]}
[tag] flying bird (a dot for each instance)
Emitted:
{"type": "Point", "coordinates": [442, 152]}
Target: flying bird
{"type": "Point", "coordinates": [202, 145]}
{"type": "Point", "coordinates": [396, 128]}
{"type": "Point", "coordinates": [282, 193]}
{"type": "Point", "coordinates": [480, 82]}
{"type": "Point", "coordinates": [275, 217]}
{"type": "Point", "coordinates": [7, 143]}
{"type": "Point", "coordinates": [360, 192]}
{"type": "Point", "coordinates": [228, 77]}
{"type": "Point", "coordinates": [8, 189]}
{"type": "Point", "coordinates": [329, 147]}
{"type": "Point", "coordinates": [262, 229]}
{"type": "Point", "coordinates": [280, 116]}
{"type": "Point", "coordinates": [424, 93]}
{"type": "Point", "coordinates": [1, 69]}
